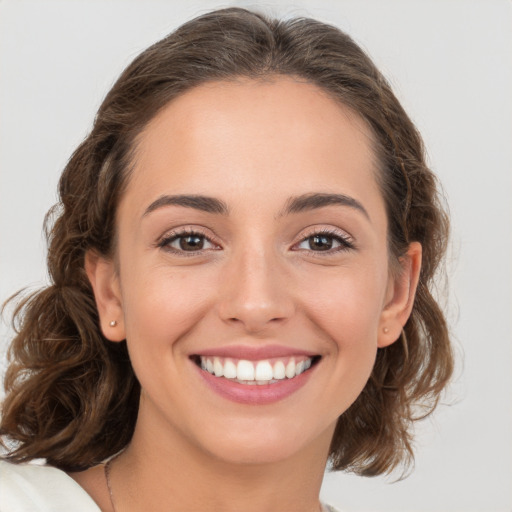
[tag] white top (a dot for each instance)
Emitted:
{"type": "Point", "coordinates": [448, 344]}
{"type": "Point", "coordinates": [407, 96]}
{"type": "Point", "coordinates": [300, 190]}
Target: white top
{"type": "Point", "coordinates": [37, 488]}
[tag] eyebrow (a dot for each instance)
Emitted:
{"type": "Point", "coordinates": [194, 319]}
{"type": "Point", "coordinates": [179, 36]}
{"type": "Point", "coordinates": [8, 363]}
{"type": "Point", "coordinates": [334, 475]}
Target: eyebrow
{"type": "Point", "coordinates": [202, 203]}
{"type": "Point", "coordinates": [313, 201]}
{"type": "Point", "coordinates": [296, 204]}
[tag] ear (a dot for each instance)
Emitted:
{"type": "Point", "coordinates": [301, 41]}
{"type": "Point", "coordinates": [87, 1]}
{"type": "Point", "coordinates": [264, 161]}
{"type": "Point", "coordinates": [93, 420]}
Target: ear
{"type": "Point", "coordinates": [400, 295]}
{"type": "Point", "coordinates": [104, 280]}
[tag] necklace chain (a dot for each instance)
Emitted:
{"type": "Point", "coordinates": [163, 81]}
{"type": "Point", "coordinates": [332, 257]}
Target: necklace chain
{"type": "Point", "coordinates": [107, 480]}
{"type": "Point", "coordinates": [106, 469]}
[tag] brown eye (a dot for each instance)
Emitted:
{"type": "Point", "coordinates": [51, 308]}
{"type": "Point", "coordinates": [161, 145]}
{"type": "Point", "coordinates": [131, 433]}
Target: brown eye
{"type": "Point", "coordinates": [191, 242]}
{"type": "Point", "coordinates": [325, 242]}
{"type": "Point", "coordinates": [320, 242]}
{"type": "Point", "coordinates": [187, 242]}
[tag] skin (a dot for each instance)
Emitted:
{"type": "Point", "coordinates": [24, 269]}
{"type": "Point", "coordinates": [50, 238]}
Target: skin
{"type": "Point", "coordinates": [258, 281]}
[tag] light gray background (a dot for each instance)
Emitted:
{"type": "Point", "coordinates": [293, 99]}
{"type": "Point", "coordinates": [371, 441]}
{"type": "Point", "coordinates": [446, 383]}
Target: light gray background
{"type": "Point", "coordinates": [451, 65]}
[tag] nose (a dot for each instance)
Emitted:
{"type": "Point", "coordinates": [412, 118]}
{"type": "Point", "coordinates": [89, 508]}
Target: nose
{"type": "Point", "coordinates": [255, 293]}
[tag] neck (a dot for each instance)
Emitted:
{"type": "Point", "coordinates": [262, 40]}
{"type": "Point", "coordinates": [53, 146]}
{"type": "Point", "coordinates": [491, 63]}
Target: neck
{"type": "Point", "coordinates": [176, 475]}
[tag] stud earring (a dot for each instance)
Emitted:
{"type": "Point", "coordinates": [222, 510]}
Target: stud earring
{"type": "Point", "coordinates": [113, 323]}
{"type": "Point", "coordinates": [386, 330]}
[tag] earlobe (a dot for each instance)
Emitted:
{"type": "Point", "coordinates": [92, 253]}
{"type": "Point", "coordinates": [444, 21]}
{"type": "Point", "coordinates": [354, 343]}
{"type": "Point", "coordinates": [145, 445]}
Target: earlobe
{"type": "Point", "coordinates": [105, 284]}
{"type": "Point", "coordinates": [400, 296]}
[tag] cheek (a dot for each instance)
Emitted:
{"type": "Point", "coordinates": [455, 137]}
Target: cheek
{"type": "Point", "coordinates": [347, 309]}
{"type": "Point", "coordinates": [161, 306]}
{"type": "Point", "coordinates": [347, 304]}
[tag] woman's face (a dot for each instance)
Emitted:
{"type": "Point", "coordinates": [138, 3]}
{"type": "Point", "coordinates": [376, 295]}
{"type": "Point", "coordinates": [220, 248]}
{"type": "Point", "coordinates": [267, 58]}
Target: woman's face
{"type": "Point", "coordinates": [251, 244]}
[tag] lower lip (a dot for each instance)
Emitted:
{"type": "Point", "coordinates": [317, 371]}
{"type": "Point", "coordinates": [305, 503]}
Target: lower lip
{"type": "Point", "coordinates": [255, 394]}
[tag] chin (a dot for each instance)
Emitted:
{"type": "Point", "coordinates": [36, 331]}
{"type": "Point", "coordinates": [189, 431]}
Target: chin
{"type": "Point", "coordinates": [269, 442]}
{"type": "Point", "coordinates": [256, 453]}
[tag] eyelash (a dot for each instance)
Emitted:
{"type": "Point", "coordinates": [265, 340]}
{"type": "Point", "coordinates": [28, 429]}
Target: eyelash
{"type": "Point", "coordinates": [165, 243]}
{"type": "Point", "coordinates": [345, 242]}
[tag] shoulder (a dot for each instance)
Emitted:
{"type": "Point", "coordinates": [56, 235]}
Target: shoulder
{"type": "Point", "coordinates": [39, 488]}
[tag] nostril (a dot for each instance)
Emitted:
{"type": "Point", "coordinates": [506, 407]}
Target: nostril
{"type": "Point", "coordinates": [256, 310]}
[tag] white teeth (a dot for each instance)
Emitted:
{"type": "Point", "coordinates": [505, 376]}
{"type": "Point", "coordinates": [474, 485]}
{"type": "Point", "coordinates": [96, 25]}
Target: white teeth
{"type": "Point", "coordinates": [218, 369]}
{"type": "Point", "coordinates": [229, 369]}
{"type": "Point", "coordinates": [279, 370]}
{"type": "Point", "coordinates": [255, 372]}
{"type": "Point", "coordinates": [290, 369]}
{"type": "Point", "coordinates": [264, 371]}
{"type": "Point", "coordinates": [244, 370]}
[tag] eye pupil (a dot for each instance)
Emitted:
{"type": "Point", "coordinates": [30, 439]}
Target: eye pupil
{"type": "Point", "coordinates": [191, 243]}
{"type": "Point", "coordinates": [320, 243]}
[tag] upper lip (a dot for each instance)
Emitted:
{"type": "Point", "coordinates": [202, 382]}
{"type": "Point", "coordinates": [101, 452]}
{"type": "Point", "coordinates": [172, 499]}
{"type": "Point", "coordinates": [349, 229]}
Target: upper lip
{"type": "Point", "coordinates": [254, 353]}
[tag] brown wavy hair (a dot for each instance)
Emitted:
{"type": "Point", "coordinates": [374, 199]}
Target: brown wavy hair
{"type": "Point", "coordinates": [72, 396]}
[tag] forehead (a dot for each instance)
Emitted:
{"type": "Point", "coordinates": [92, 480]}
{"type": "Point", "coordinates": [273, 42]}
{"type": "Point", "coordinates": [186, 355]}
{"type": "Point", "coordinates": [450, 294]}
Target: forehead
{"type": "Point", "coordinates": [244, 137]}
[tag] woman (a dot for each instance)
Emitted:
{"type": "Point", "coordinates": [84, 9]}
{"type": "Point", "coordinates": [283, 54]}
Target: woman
{"type": "Point", "coordinates": [241, 263]}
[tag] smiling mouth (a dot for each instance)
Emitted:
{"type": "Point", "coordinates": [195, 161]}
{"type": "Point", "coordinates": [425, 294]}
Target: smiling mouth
{"type": "Point", "coordinates": [261, 372]}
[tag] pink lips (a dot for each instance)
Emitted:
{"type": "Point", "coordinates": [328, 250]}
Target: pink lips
{"type": "Point", "coordinates": [255, 394]}
{"type": "Point", "coordinates": [255, 353]}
